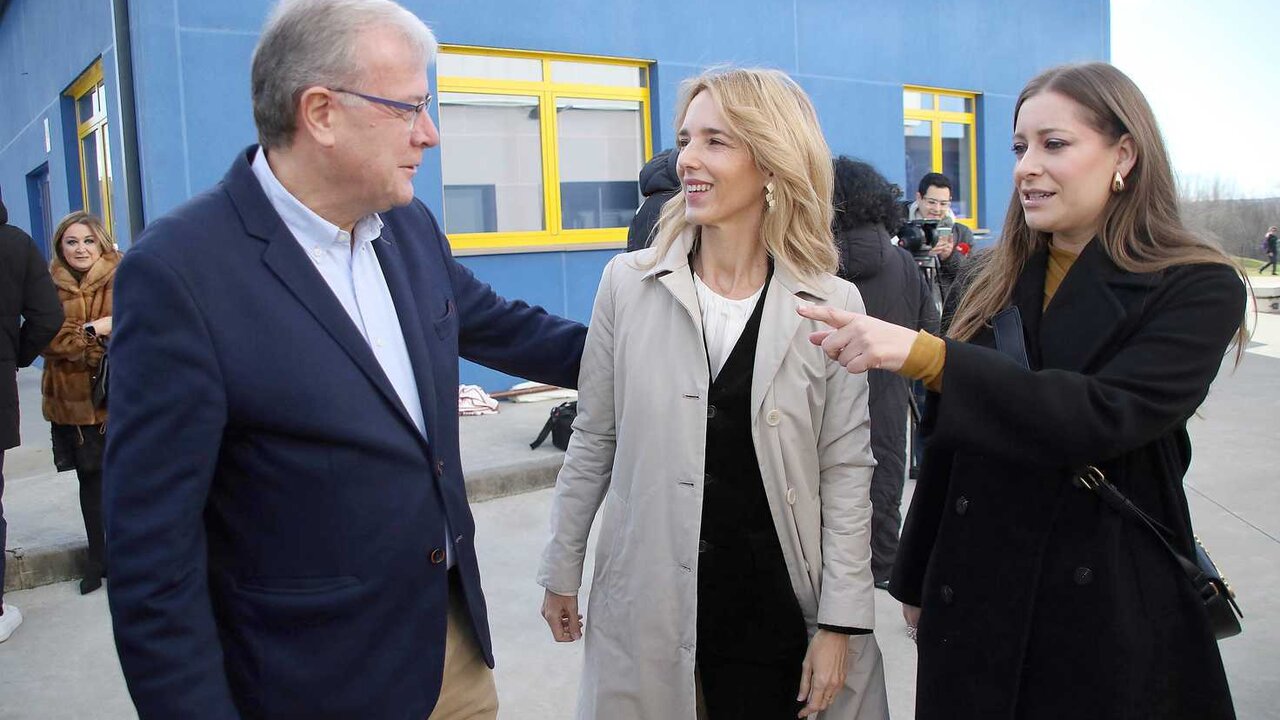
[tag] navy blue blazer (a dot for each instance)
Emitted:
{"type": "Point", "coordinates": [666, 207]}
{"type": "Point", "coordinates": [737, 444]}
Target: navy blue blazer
{"type": "Point", "coordinates": [271, 511]}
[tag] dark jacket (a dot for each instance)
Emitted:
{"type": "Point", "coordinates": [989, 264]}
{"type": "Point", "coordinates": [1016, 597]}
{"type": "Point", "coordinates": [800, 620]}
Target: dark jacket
{"type": "Point", "coordinates": [275, 519]}
{"type": "Point", "coordinates": [658, 183]}
{"type": "Point", "coordinates": [30, 315]}
{"type": "Point", "coordinates": [893, 290]}
{"type": "Point", "coordinates": [1038, 601]}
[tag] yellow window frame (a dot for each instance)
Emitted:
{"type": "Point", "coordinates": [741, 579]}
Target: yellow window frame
{"type": "Point", "coordinates": [89, 81]}
{"type": "Point", "coordinates": [936, 117]}
{"type": "Point", "coordinates": [554, 236]}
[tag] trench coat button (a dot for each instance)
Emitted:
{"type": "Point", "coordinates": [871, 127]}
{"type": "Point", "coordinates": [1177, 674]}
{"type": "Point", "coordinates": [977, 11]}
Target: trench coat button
{"type": "Point", "coordinates": [806, 566]}
{"type": "Point", "coordinates": [437, 556]}
{"type": "Point", "coordinates": [1083, 576]}
{"type": "Point", "coordinates": [948, 595]}
{"type": "Point", "coordinates": [711, 411]}
{"type": "Point", "coordinates": [962, 505]}
{"type": "Point", "coordinates": [791, 496]}
{"type": "Point", "coordinates": [773, 417]}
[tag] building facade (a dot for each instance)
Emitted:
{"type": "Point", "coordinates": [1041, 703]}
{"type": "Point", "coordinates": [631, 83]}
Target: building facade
{"type": "Point", "coordinates": [547, 110]}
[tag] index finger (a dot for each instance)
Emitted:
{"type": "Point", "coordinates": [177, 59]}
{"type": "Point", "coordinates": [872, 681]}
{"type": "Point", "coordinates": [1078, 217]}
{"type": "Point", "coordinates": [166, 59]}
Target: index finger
{"type": "Point", "coordinates": [834, 317]}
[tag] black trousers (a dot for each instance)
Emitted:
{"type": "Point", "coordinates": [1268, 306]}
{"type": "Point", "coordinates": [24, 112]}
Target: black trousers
{"type": "Point", "coordinates": [91, 510]}
{"type": "Point", "coordinates": [749, 690]}
{"type": "Point", "coordinates": [1271, 257]}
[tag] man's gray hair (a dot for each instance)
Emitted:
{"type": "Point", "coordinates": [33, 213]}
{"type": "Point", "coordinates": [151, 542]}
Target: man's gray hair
{"type": "Point", "coordinates": [306, 43]}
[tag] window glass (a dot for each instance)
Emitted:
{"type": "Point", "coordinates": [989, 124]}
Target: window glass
{"type": "Point", "coordinates": [913, 100]}
{"type": "Point", "coordinates": [491, 163]}
{"type": "Point", "coordinates": [488, 67]}
{"type": "Point", "coordinates": [956, 166]}
{"type": "Point", "coordinates": [601, 151]}
{"type": "Point", "coordinates": [919, 152]}
{"type": "Point", "coordinates": [580, 73]}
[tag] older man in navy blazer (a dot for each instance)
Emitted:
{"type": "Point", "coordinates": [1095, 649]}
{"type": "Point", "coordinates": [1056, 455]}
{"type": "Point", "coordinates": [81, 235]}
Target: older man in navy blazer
{"type": "Point", "coordinates": [287, 524]}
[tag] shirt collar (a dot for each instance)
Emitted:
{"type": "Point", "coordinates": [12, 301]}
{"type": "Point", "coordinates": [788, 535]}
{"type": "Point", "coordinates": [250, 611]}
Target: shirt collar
{"type": "Point", "coordinates": [309, 229]}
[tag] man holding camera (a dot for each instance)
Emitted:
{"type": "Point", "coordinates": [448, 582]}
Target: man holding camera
{"type": "Point", "coordinates": [933, 203]}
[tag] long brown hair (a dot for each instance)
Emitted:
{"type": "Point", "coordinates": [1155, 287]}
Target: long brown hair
{"type": "Point", "coordinates": [776, 121]}
{"type": "Point", "coordinates": [95, 226]}
{"type": "Point", "coordinates": [1140, 228]}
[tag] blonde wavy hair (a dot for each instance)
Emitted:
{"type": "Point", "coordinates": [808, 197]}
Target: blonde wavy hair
{"type": "Point", "coordinates": [1140, 228]}
{"type": "Point", "coordinates": [95, 225]}
{"type": "Point", "coordinates": [776, 121]}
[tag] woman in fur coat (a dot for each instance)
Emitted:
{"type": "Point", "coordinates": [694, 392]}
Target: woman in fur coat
{"type": "Point", "coordinates": [83, 269]}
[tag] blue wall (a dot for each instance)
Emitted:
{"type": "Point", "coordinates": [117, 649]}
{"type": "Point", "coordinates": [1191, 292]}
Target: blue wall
{"type": "Point", "coordinates": [853, 56]}
{"type": "Point", "coordinates": [39, 58]}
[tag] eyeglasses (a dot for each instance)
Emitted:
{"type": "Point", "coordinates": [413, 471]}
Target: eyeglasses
{"type": "Point", "coordinates": [937, 203]}
{"type": "Point", "coordinates": [407, 111]}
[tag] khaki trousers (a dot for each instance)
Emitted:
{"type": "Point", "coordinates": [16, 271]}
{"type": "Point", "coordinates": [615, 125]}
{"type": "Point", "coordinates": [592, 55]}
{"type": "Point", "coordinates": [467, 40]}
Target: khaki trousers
{"type": "Point", "coordinates": [468, 691]}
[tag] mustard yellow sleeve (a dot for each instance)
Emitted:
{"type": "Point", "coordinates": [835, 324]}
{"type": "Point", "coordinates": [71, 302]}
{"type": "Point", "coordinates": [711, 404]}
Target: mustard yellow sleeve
{"type": "Point", "coordinates": [925, 361]}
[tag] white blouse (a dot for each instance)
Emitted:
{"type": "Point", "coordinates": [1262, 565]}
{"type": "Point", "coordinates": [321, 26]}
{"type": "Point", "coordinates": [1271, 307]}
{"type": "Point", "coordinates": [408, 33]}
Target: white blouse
{"type": "Point", "coordinates": [723, 321]}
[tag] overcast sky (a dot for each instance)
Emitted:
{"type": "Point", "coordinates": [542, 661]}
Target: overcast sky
{"type": "Point", "coordinates": [1211, 70]}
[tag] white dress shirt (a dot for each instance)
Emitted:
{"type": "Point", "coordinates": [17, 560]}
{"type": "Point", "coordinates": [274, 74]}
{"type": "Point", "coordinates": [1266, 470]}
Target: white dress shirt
{"type": "Point", "coordinates": [723, 321]}
{"type": "Point", "coordinates": [350, 268]}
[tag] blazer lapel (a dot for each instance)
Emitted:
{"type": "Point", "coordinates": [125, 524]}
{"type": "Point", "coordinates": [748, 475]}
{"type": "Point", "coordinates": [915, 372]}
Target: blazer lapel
{"type": "Point", "coordinates": [411, 325]}
{"type": "Point", "coordinates": [287, 260]}
{"type": "Point", "coordinates": [1087, 310]}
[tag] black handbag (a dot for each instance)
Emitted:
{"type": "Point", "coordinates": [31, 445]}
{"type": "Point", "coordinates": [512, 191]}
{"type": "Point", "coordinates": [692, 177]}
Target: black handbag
{"type": "Point", "coordinates": [559, 426]}
{"type": "Point", "coordinates": [98, 384]}
{"type": "Point", "coordinates": [1214, 590]}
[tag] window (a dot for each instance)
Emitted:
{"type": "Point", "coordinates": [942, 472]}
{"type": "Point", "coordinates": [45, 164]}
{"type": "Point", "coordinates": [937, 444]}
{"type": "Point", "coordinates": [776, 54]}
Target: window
{"type": "Point", "coordinates": [939, 129]}
{"type": "Point", "coordinates": [541, 151]}
{"type": "Point", "coordinates": [89, 97]}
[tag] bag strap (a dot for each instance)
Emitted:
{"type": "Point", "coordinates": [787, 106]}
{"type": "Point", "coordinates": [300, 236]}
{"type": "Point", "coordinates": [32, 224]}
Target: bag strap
{"type": "Point", "coordinates": [1206, 586]}
{"type": "Point", "coordinates": [542, 435]}
{"type": "Point", "coordinates": [1007, 327]}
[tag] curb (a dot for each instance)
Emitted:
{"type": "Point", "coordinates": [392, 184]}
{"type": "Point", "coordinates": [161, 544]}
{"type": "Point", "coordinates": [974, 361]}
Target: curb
{"type": "Point", "coordinates": [28, 568]}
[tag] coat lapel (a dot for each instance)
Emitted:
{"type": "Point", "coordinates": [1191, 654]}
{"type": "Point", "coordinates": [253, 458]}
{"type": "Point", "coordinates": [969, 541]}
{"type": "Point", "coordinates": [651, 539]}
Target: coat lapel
{"type": "Point", "coordinates": [672, 270]}
{"type": "Point", "coordinates": [778, 326]}
{"type": "Point", "coordinates": [1028, 296]}
{"type": "Point", "coordinates": [287, 260]}
{"type": "Point", "coordinates": [1088, 309]}
{"type": "Point", "coordinates": [411, 325]}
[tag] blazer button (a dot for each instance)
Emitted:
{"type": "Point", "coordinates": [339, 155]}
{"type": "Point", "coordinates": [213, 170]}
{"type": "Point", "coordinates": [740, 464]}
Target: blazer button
{"type": "Point", "coordinates": [948, 595]}
{"type": "Point", "coordinates": [1083, 576]}
{"type": "Point", "coordinates": [962, 505]}
{"type": "Point", "coordinates": [773, 417]}
{"type": "Point", "coordinates": [437, 556]}
{"type": "Point", "coordinates": [439, 468]}
{"type": "Point", "coordinates": [708, 478]}
{"type": "Point", "coordinates": [791, 496]}
{"type": "Point", "coordinates": [711, 411]}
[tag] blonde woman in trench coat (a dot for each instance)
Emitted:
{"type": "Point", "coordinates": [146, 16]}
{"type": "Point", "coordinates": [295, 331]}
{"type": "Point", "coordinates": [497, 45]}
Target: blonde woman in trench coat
{"type": "Point", "coordinates": [751, 225]}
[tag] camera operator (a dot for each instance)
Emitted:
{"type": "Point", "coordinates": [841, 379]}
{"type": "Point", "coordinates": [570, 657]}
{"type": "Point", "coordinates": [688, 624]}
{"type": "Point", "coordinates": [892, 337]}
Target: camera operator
{"type": "Point", "coordinates": [933, 203]}
{"type": "Point", "coordinates": [894, 290]}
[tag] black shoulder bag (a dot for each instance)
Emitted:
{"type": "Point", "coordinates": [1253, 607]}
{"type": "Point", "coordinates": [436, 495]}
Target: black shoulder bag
{"type": "Point", "coordinates": [1214, 590]}
{"type": "Point", "coordinates": [559, 426]}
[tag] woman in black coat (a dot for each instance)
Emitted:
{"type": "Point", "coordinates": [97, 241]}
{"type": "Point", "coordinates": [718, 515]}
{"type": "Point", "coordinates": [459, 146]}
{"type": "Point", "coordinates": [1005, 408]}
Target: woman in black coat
{"type": "Point", "coordinates": [1031, 598]}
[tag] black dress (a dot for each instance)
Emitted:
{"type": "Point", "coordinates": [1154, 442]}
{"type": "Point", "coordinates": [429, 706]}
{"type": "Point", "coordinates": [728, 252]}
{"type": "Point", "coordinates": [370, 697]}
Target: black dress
{"type": "Point", "coordinates": [751, 631]}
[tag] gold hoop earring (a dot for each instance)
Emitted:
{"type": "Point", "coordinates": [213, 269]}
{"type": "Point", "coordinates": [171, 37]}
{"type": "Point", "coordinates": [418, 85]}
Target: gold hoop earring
{"type": "Point", "coordinates": [769, 202]}
{"type": "Point", "coordinates": [1117, 183]}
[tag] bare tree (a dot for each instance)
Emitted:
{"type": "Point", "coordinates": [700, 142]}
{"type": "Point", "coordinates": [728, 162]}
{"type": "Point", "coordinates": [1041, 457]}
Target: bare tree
{"type": "Point", "coordinates": [1212, 207]}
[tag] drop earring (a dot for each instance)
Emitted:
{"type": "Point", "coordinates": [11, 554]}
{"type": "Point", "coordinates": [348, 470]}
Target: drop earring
{"type": "Point", "coordinates": [1117, 183]}
{"type": "Point", "coordinates": [768, 196]}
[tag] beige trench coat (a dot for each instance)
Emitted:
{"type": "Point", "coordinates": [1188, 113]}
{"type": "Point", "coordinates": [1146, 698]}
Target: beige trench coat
{"type": "Point", "coordinates": [638, 446]}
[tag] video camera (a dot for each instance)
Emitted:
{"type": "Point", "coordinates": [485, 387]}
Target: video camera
{"type": "Point", "coordinates": [918, 238]}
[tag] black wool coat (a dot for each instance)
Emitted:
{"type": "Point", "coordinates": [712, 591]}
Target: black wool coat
{"type": "Point", "coordinates": [1038, 601]}
{"type": "Point", "coordinates": [30, 315]}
